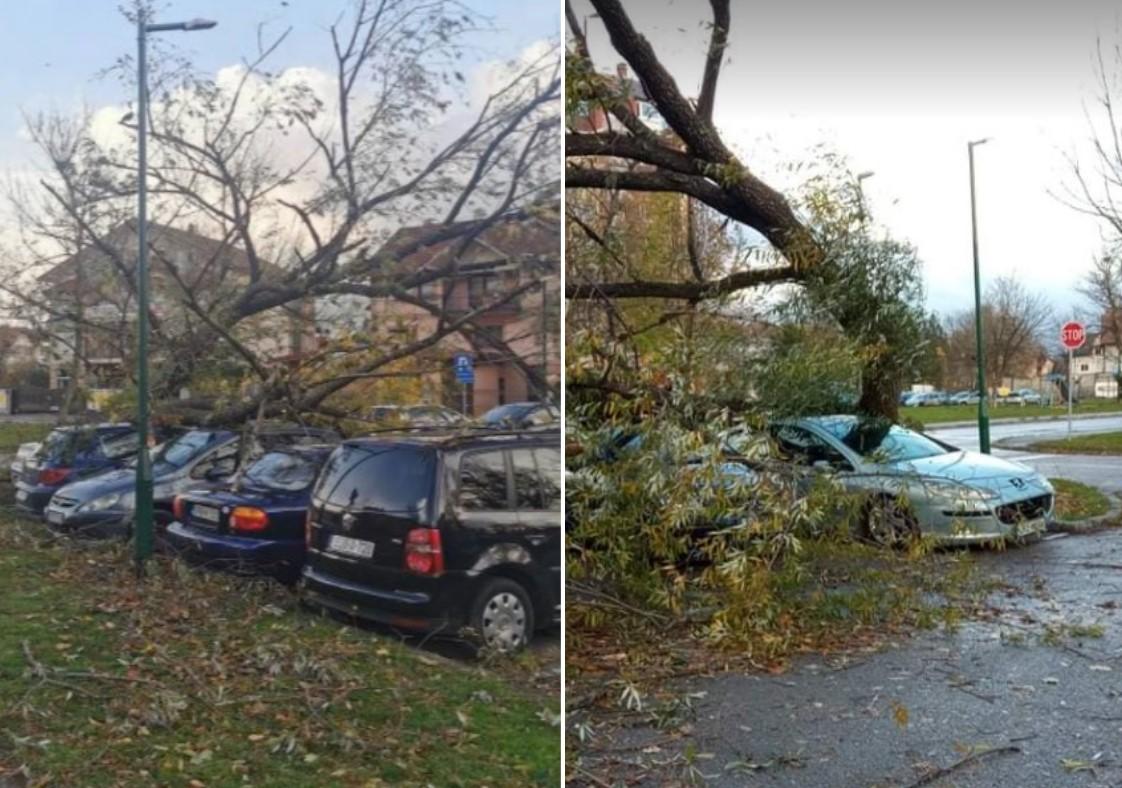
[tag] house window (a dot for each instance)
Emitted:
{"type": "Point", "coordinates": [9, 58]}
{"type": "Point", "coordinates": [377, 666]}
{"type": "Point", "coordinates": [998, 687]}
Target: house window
{"type": "Point", "coordinates": [480, 288]}
{"type": "Point", "coordinates": [1084, 367]}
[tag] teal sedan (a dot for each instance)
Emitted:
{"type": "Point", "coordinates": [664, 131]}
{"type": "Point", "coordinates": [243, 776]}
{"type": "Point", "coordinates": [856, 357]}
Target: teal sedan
{"type": "Point", "coordinates": [912, 483]}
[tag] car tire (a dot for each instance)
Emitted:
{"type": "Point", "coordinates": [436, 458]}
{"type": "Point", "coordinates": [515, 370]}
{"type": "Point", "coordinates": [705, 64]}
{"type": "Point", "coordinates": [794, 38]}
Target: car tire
{"type": "Point", "coordinates": [502, 616]}
{"type": "Point", "coordinates": [887, 522]}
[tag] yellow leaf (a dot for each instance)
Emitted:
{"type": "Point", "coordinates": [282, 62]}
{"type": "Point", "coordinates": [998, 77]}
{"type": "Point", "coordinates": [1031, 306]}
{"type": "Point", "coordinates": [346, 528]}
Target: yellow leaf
{"type": "Point", "coordinates": [900, 714]}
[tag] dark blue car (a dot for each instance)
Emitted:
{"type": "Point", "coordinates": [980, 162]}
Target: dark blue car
{"type": "Point", "coordinates": [255, 524]}
{"type": "Point", "coordinates": [69, 454]}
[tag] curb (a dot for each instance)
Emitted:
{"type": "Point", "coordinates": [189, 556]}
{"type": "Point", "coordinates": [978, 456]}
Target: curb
{"type": "Point", "coordinates": [1021, 420]}
{"type": "Point", "coordinates": [1091, 523]}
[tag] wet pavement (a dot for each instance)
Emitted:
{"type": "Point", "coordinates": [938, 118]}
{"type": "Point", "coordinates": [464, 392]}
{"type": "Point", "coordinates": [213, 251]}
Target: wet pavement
{"type": "Point", "coordinates": [1041, 678]}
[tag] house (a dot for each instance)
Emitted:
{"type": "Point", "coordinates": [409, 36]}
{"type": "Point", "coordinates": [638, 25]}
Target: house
{"type": "Point", "coordinates": [91, 303]}
{"type": "Point", "coordinates": [521, 248]}
{"type": "Point", "coordinates": [1097, 366]}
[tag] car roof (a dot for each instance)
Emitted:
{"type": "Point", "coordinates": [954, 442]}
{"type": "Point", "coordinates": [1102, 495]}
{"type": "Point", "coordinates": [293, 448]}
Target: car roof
{"type": "Point", "coordinates": [451, 438]}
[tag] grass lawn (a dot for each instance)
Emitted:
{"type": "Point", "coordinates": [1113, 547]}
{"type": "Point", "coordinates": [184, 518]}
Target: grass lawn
{"type": "Point", "coordinates": [940, 414]}
{"type": "Point", "coordinates": [1077, 501]}
{"type": "Point", "coordinates": [200, 679]}
{"type": "Point", "coordinates": [13, 433]}
{"type": "Point", "coordinates": [1103, 443]}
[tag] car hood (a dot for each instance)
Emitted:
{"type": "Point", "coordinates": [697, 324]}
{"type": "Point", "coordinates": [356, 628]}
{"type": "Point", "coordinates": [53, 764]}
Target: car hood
{"type": "Point", "coordinates": [115, 481]}
{"type": "Point", "coordinates": [983, 470]}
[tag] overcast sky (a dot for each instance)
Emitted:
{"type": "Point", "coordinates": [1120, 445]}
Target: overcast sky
{"type": "Point", "coordinates": [899, 88]}
{"type": "Point", "coordinates": [54, 50]}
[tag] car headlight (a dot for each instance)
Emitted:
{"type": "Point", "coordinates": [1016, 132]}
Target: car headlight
{"type": "Point", "coordinates": [960, 496]}
{"type": "Point", "coordinates": [100, 504]}
{"type": "Point", "coordinates": [111, 501]}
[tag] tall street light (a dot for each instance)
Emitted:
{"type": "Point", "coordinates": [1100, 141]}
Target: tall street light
{"type": "Point", "coordinates": [143, 503]}
{"type": "Point", "coordinates": [983, 405]}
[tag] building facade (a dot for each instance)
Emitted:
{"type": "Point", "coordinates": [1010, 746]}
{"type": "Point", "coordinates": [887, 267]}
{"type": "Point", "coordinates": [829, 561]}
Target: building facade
{"type": "Point", "coordinates": [520, 251]}
{"type": "Point", "coordinates": [91, 306]}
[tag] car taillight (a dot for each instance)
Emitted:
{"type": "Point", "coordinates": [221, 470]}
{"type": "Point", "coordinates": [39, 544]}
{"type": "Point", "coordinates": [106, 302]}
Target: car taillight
{"type": "Point", "coordinates": [423, 553]}
{"type": "Point", "coordinates": [53, 475]}
{"type": "Point", "coordinates": [179, 509]}
{"type": "Point", "coordinates": [248, 518]}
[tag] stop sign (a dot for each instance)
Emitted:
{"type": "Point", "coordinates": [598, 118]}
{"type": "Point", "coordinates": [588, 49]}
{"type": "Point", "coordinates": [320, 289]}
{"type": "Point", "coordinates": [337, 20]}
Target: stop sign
{"type": "Point", "coordinates": [1073, 335]}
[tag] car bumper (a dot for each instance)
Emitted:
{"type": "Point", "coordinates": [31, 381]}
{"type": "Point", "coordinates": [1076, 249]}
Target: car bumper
{"type": "Point", "coordinates": [33, 499]}
{"type": "Point", "coordinates": [443, 609]}
{"type": "Point", "coordinates": [104, 523]}
{"type": "Point", "coordinates": [982, 528]}
{"type": "Point", "coordinates": [240, 552]}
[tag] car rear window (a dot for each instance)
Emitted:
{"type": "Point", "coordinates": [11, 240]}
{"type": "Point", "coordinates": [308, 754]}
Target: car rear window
{"type": "Point", "coordinates": [280, 470]}
{"type": "Point", "coordinates": [391, 479]}
{"type": "Point", "coordinates": [64, 445]}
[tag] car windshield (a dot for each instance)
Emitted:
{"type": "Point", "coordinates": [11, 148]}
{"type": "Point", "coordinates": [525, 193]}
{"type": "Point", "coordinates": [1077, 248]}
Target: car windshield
{"type": "Point", "coordinates": [279, 470]}
{"type": "Point", "coordinates": [882, 442]}
{"type": "Point", "coordinates": [179, 451]}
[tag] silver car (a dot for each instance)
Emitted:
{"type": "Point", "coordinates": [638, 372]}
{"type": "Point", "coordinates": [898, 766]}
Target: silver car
{"type": "Point", "coordinates": [915, 484]}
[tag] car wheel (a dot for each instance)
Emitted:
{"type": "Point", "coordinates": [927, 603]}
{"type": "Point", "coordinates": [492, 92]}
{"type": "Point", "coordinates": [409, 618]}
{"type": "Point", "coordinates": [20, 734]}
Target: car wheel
{"type": "Point", "coordinates": [503, 616]}
{"type": "Point", "coordinates": [888, 522]}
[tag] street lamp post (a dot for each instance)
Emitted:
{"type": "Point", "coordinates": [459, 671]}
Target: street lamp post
{"type": "Point", "coordinates": [983, 405]}
{"type": "Point", "coordinates": [143, 494]}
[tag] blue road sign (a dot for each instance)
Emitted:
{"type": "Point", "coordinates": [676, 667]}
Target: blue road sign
{"type": "Point", "coordinates": [464, 366]}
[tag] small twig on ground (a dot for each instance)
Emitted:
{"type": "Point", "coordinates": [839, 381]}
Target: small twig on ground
{"type": "Point", "coordinates": [605, 598]}
{"type": "Point", "coordinates": [37, 668]}
{"type": "Point", "coordinates": [945, 771]}
{"type": "Point", "coordinates": [592, 778]}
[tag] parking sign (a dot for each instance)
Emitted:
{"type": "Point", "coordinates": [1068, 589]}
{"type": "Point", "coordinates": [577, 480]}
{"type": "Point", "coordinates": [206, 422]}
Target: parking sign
{"type": "Point", "coordinates": [464, 367]}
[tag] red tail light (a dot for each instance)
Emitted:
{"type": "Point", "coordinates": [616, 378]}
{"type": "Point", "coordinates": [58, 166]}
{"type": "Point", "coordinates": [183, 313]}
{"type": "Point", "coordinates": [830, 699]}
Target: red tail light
{"type": "Point", "coordinates": [248, 518]}
{"type": "Point", "coordinates": [52, 476]}
{"type": "Point", "coordinates": [423, 552]}
{"type": "Point", "coordinates": [179, 509]}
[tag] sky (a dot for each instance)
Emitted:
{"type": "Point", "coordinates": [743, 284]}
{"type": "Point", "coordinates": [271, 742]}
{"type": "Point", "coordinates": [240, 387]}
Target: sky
{"type": "Point", "coordinates": [899, 88]}
{"type": "Point", "coordinates": [55, 49]}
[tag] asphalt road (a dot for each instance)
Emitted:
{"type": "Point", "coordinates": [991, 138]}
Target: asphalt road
{"type": "Point", "coordinates": [1055, 702]}
{"type": "Point", "coordinates": [1102, 472]}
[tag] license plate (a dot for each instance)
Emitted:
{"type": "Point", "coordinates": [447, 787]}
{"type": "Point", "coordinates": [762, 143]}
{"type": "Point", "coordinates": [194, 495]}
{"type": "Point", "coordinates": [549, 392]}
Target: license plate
{"type": "Point", "coordinates": [359, 548]}
{"type": "Point", "coordinates": [21, 495]}
{"type": "Point", "coordinates": [54, 517]}
{"type": "Point", "coordinates": [207, 513]}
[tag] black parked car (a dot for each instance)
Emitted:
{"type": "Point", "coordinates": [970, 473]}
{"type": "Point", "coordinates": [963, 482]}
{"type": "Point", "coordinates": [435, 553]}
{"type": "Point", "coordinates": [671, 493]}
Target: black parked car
{"type": "Point", "coordinates": [257, 525]}
{"type": "Point", "coordinates": [441, 532]}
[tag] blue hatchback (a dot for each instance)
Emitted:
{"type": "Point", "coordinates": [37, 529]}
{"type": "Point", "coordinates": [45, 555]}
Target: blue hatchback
{"type": "Point", "coordinates": [69, 454]}
{"type": "Point", "coordinates": [255, 524]}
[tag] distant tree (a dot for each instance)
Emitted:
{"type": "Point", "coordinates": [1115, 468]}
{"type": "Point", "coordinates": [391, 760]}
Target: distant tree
{"type": "Point", "coordinates": [1102, 287]}
{"type": "Point", "coordinates": [1014, 321]}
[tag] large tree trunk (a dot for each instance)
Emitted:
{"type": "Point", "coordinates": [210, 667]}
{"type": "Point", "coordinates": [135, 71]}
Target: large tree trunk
{"type": "Point", "coordinates": [880, 392]}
